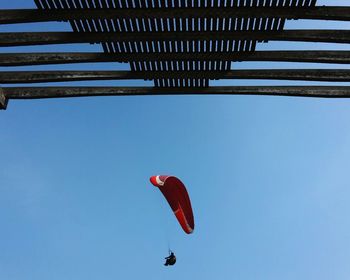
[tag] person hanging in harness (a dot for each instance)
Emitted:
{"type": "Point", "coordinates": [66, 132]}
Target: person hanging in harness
{"type": "Point", "coordinates": [171, 260]}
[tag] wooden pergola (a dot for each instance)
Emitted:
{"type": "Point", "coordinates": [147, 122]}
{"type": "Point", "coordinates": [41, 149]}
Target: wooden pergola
{"type": "Point", "coordinates": [180, 45]}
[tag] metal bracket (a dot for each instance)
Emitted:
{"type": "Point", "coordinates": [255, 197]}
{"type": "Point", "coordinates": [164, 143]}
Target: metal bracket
{"type": "Point", "coordinates": [3, 100]}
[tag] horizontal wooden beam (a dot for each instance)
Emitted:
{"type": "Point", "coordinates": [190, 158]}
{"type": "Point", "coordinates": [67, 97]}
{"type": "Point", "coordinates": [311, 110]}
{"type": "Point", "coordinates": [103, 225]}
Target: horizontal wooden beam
{"type": "Point", "coordinates": [33, 15]}
{"type": "Point", "coordinates": [329, 75]}
{"type": "Point", "coordinates": [59, 92]}
{"type": "Point", "coordinates": [44, 38]}
{"type": "Point", "coordinates": [20, 59]}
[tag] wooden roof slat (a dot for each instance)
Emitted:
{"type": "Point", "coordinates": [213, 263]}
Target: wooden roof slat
{"type": "Point", "coordinates": [43, 38]}
{"type": "Point", "coordinates": [39, 15]}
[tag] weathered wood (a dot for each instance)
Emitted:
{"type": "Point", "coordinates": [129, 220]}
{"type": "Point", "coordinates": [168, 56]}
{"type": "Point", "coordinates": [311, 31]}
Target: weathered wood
{"type": "Point", "coordinates": [338, 57]}
{"type": "Point", "coordinates": [44, 38]}
{"type": "Point", "coordinates": [3, 100]}
{"type": "Point", "coordinates": [15, 77]}
{"type": "Point", "coordinates": [319, 13]}
{"type": "Point", "coordinates": [329, 75]}
{"type": "Point", "coordinates": [19, 59]}
{"type": "Point", "coordinates": [59, 92]}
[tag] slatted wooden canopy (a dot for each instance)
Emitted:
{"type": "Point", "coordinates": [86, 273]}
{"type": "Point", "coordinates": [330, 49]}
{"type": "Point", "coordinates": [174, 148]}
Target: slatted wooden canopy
{"type": "Point", "coordinates": [180, 45]}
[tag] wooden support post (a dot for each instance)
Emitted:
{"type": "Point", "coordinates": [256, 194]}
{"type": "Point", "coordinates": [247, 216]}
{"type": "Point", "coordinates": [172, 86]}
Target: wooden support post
{"type": "Point", "coordinates": [3, 100]}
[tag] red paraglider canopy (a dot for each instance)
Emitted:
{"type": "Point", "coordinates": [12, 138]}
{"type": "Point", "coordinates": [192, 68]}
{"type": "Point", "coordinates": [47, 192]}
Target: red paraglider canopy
{"type": "Point", "coordinates": [176, 194]}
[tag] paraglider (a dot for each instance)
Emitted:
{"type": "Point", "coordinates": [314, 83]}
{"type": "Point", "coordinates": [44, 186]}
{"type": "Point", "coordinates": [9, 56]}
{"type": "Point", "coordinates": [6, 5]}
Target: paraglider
{"type": "Point", "coordinates": [177, 196]}
{"type": "Point", "coordinates": [171, 260]}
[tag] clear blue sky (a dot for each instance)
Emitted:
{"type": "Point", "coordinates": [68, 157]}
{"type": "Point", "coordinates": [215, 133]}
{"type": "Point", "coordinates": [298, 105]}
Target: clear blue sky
{"type": "Point", "coordinates": [268, 177]}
